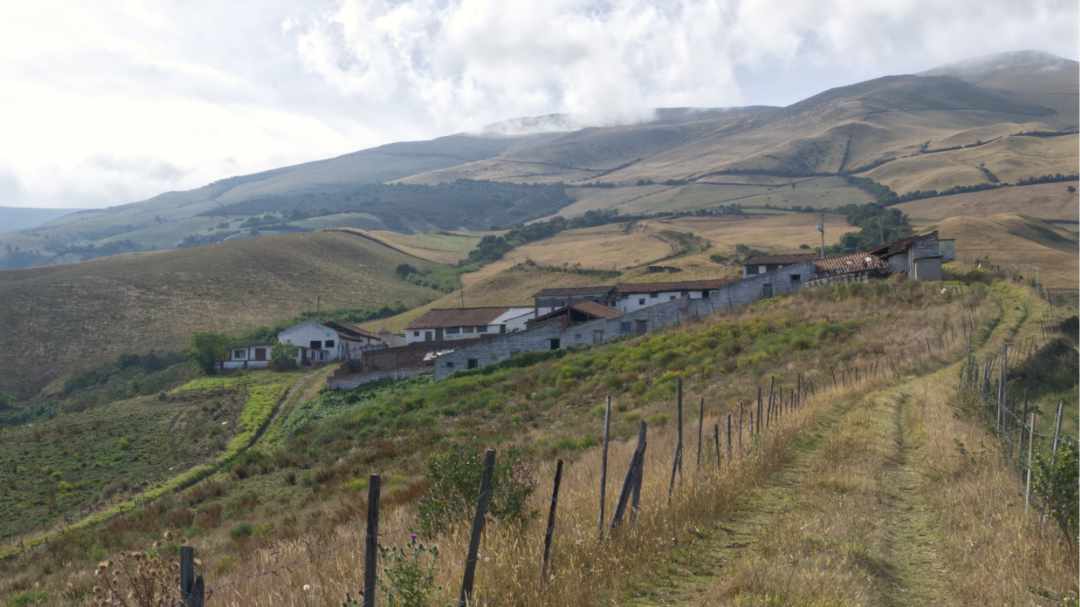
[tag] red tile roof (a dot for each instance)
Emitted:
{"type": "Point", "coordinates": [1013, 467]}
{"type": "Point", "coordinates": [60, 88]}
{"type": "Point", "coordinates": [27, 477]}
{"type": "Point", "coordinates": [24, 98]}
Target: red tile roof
{"type": "Point", "coordinates": [846, 264]}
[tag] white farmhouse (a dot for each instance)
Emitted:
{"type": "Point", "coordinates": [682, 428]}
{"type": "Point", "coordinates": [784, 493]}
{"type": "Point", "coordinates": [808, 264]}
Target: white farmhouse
{"type": "Point", "coordinates": [630, 297]}
{"type": "Point", "coordinates": [450, 324]}
{"type": "Point", "coordinates": [254, 356]}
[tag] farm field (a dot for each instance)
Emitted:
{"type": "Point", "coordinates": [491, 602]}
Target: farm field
{"type": "Point", "coordinates": [1017, 241]}
{"type": "Point", "coordinates": [134, 304]}
{"type": "Point", "coordinates": [1009, 159]}
{"type": "Point", "coordinates": [438, 247]}
{"type": "Point", "coordinates": [1047, 201]}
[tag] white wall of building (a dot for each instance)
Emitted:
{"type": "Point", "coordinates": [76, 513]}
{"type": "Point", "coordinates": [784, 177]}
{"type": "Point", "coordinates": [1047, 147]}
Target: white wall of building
{"type": "Point", "coordinates": [632, 302]}
{"type": "Point", "coordinates": [303, 334]}
{"type": "Point", "coordinates": [247, 357]}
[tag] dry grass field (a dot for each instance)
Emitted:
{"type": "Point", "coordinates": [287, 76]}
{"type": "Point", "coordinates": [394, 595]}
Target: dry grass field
{"type": "Point", "coordinates": [1047, 201]}
{"type": "Point", "coordinates": [63, 319]}
{"type": "Point", "coordinates": [1009, 158]}
{"type": "Point", "coordinates": [1017, 241]}
{"type": "Point", "coordinates": [439, 247]}
{"type": "Point", "coordinates": [863, 496]}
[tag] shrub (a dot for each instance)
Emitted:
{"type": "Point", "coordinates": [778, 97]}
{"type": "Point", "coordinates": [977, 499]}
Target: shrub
{"type": "Point", "coordinates": [283, 357]}
{"type": "Point", "coordinates": [408, 578]}
{"type": "Point", "coordinates": [454, 487]}
{"type": "Point", "coordinates": [241, 531]}
{"type": "Point", "coordinates": [207, 349]}
{"type": "Point", "coordinates": [1057, 483]}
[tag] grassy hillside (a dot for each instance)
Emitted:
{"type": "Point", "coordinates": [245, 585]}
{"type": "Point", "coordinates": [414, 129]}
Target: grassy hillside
{"type": "Point", "coordinates": [1017, 241]}
{"type": "Point", "coordinates": [1046, 201]}
{"type": "Point", "coordinates": [959, 126]}
{"type": "Point", "coordinates": [296, 509]}
{"type": "Point", "coordinates": [63, 319]}
{"type": "Point", "coordinates": [13, 219]}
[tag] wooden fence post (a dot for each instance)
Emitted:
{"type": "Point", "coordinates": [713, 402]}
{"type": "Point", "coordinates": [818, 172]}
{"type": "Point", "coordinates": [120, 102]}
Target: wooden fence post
{"type": "Point", "coordinates": [477, 529]}
{"type": "Point", "coordinates": [679, 387]}
{"type": "Point", "coordinates": [729, 438]}
{"type": "Point", "coordinates": [639, 476]}
{"type": "Point", "coordinates": [716, 443]}
{"type": "Point", "coordinates": [371, 540]}
{"type": "Point", "coordinates": [631, 474]}
{"type": "Point", "coordinates": [1002, 379]}
{"type": "Point", "coordinates": [1057, 433]}
{"type": "Point", "coordinates": [192, 589]}
{"type": "Point", "coordinates": [700, 428]}
{"type": "Point", "coordinates": [549, 534]}
{"type": "Point", "coordinates": [759, 409]}
{"type": "Point", "coordinates": [603, 467]}
{"type": "Point", "coordinates": [1031, 442]}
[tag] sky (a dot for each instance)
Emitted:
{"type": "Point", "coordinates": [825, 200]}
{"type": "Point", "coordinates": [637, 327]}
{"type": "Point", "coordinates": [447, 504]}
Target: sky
{"type": "Point", "coordinates": [110, 102]}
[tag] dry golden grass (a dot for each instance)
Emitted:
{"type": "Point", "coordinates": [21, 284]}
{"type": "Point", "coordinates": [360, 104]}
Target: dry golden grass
{"type": "Point", "coordinates": [1017, 241]}
{"type": "Point", "coordinates": [1009, 158]}
{"type": "Point", "coordinates": [1049, 201]}
{"type": "Point", "coordinates": [587, 572]}
{"type": "Point", "coordinates": [608, 247]}
{"type": "Point", "coordinates": [440, 247]}
{"type": "Point", "coordinates": [63, 319]}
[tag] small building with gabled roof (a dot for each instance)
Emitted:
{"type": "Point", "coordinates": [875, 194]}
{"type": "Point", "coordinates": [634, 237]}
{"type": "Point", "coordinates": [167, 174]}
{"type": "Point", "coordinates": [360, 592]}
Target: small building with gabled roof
{"type": "Point", "coordinates": [760, 264]}
{"type": "Point", "coordinates": [450, 324]}
{"type": "Point", "coordinates": [629, 297]}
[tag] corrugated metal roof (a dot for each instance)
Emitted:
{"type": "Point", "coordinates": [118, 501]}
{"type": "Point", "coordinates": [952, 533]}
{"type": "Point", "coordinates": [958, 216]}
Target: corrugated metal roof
{"type": "Point", "coordinates": [771, 260]}
{"type": "Point", "coordinates": [458, 317]}
{"type": "Point", "coordinates": [901, 245]}
{"type": "Point", "coordinates": [596, 310]}
{"type": "Point", "coordinates": [347, 331]}
{"type": "Point", "coordinates": [661, 287]}
{"type": "Point", "coordinates": [569, 291]}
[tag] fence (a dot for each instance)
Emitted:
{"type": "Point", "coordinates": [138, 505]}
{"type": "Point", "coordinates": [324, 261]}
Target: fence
{"type": "Point", "coordinates": [1013, 420]}
{"type": "Point", "coordinates": [736, 436]}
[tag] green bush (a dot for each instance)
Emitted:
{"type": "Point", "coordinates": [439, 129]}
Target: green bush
{"type": "Point", "coordinates": [241, 531]}
{"type": "Point", "coordinates": [1057, 484]}
{"type": "Point", "coordinates": [283, 357]}
{"type": "Point", "coordinates": [454, 487]}
{"type": "Point", "coordinates": [408, 578]}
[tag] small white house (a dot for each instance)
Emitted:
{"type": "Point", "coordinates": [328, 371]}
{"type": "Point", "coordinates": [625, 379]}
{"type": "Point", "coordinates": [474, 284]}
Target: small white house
{"type": "Point", "coordinates": [451, 324]}
{"type": "Point", "coordinates": [317, 342]}
{"type": "Point", "coordinates": [633, 297]}
{"type": "Point", "coordinates": [255, 356]}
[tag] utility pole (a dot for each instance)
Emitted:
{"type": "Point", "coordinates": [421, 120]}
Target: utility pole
{"type": "Point", "coordinates": [461, 293]}
{"type": "Point", "coordinates": [316, 304]}
{"type": "Point", "coordinates": [881, 229]}
{"type": "Point", "coordinates": [821, 228]}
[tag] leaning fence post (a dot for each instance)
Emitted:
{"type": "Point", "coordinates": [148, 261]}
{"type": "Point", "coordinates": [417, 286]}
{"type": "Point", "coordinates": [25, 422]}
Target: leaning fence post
{"type": "Point", "coordinates": [371, 540]}
{"type": "Point", "coordinates": [700, 426]}
{"type": "Point", "coordinates": [603, 466]}
{"type": "Point", "coordinates": [758, 412]}
{"type": "Point", "coordinates": [1002, 379]}
{"type": "Point", "coordinates": [679, 451]}
{"type": "Point", "coordinates": [1031, 442]}
{"type": "Point", "coordinates": [477, 529]}
{"type": "Point", "coordinates": [631, 472]}
{"type": "Point", "coordinates": [639, 475]}
{"type": "Point", "coordinates": [551, 522]}
{"type": "Point", "coordinates": [192, 589]}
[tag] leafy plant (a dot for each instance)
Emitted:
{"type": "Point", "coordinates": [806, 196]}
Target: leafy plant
{"type": "Point", "coordinates": [408, 578]}
{"type": "Point", "coordinates": [1056, 482]}
{"type": "Point", "coordinates": [283, 357]}
{"type": "Point", "coordinates": [454, 487]}
{"type": "Point", "coordinates": [207, 349]}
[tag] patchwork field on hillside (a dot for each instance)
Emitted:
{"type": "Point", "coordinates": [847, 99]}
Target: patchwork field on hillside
{"type": "Point", "coordinates": [1049, 201]}
{"type": "Point", "coordinates": [64, 319]}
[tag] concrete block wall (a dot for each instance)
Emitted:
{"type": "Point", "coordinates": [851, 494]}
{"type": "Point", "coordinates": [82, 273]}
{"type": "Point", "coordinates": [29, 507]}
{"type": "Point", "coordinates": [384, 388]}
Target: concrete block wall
{"type": "Point", "coordinates": [600, 331]}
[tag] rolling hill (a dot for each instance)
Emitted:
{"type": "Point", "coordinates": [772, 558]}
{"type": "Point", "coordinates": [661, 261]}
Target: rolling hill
{"type": "Point", "coordinates": [13, 219]}
{"type": "Point", "coordinates": [60, 320]}
{"type": "Point", "coordinates": [999, 118]}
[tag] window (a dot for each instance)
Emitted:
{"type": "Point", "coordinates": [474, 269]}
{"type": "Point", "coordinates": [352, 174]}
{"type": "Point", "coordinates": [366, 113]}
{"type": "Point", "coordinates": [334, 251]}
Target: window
{"type": "Point", "coordinates": [473, 363]}
{"type": "Point", "coordinates": [453, 330]}
{"type": "Point", "coordinates": [416, 334]}
{"type": "Point", "coordinates": [654, 295]}
{"type": "Point", "coordinates": [671, 297]}
{"type": "Point", "coordinates": [554, 343]}
{"type": "Point", "coordinates": [705, 294]}
{"type": "Point", "coordinates": [762, 269]}
{"type": "Point", "coordinates": [482, 329]}
{"type": "Point", "coordinates": [316, 344]}
{"type": "Point", "coordinates": [766, 290]}
{"type": "Point", "coordinates": [625, 327]}
{"type": "Point", "coordinates": [449, 364]}
{"type": "Point", "coordinates": [468, 329]}
{"type": "Point", "coordinates": [641, 301]}
{"type": "Point", "coordinates": [795, 278]}
{"type": "Point", "coordinates": [239, 354]}
{"type": "Point", "coordinates": [328, 344]}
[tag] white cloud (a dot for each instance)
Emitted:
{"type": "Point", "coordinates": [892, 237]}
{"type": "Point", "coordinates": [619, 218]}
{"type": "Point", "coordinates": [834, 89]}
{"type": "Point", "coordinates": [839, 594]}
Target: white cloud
{"type": "Point", "coordinates": [106, 103]}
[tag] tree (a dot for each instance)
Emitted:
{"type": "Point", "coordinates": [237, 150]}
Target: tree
{"type": "Point", "coordinates": [283, 357]}
{"type": "Point", "coordinates": [207, 349]}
